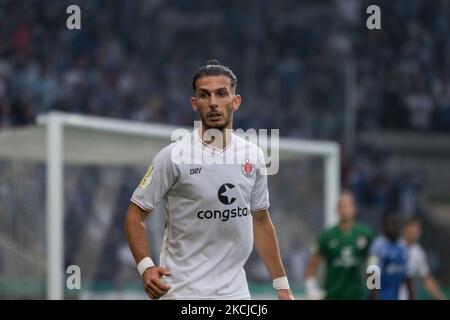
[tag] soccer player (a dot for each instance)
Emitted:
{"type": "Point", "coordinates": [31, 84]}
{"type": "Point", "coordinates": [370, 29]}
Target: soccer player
{"type": "Point", "coordinates": [215, 212]}
{"type": "Point", "coordinates": [391, 256]}
{"type": "Point", "coordinates": [417, 261]}
{"type": "Point", "coordinates": [343, 248]}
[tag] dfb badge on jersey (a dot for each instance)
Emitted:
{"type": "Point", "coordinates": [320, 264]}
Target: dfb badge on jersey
{"type": "Point", "coordinates": [248, 168]}
{"type": "Point", "coordinates": [148, 178]}
{"type": "Point", "coordinates": [361, 242]}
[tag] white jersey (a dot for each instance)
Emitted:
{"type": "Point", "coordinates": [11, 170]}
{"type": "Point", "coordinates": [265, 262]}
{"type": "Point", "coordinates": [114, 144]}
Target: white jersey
{"type": "Point", "coordinates": [417, 267]}
{"type": "Point", "coordinates": [209, 232]}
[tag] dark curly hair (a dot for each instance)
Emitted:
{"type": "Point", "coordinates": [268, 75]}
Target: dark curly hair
{"type": "Point", "coordinates": [214, 68]}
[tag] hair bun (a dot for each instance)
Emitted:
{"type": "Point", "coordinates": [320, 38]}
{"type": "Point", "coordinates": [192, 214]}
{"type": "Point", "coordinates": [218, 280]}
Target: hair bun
{"type": "Point", "coordinates": [213, 62]}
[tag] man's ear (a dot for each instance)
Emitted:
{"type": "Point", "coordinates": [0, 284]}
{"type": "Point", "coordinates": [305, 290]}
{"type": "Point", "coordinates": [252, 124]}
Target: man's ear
{"type": "Point", "coordinates": [194, 104]}
{"type": "Point", "coordinates": [236, 102]}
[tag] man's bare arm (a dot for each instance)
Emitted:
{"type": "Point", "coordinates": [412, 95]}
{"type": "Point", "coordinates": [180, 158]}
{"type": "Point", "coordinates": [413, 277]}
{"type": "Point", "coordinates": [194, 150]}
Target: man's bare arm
{"type": "Point", "coordinates": [313, 265]}
{"type": "Point", "coordinates": [313, 291]}
{"type": "Point", "coordinates": [136, 234]}
{"type": "Point", "coordinates": [410, 288]}
{"type": "Point", "coordinates": [266, 244]}
{"type": "Point", "coordinates": [433, 288]}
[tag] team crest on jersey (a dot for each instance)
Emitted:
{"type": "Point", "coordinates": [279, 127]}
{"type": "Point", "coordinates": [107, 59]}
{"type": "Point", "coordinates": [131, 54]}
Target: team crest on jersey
{"type": "Point", "coordinates": [248, 168]}
{"type": "Point", "coordinates": [148, 178]}
{"type": "Point", "coordinates": [361, 242]}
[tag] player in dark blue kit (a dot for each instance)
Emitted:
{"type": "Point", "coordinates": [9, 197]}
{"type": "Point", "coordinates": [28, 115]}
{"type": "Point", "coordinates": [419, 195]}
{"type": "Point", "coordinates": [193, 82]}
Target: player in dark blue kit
{"type": "Point", "coordinates": [391, 255]}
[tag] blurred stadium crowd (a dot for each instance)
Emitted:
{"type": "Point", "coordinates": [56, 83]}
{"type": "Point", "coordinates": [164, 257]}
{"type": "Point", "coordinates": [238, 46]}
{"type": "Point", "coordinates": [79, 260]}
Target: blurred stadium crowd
{"type": "Point", "coordinates": [135, 59]}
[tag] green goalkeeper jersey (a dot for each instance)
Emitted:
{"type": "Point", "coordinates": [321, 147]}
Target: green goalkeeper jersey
{"type": "Point", "coordinates": [345, 256]}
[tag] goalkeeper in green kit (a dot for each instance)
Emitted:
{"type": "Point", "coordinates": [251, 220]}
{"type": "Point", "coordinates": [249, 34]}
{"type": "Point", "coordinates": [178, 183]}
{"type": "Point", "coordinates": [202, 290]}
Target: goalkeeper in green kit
{"type": "Point", "coordinates": [343, 249]}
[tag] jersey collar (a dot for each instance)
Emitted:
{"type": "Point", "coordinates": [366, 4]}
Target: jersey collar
{"type": "Point", "coordinates": [211, 147]}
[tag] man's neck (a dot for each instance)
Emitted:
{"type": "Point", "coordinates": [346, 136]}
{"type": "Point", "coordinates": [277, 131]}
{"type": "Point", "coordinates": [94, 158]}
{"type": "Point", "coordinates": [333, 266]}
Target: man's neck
{"type": "Point", "coordinates": [408, 242]}
{"type": "Point", "coordinates": [391, 239]}
{"type": "Point", "coordinates": [214, 141]}
{"type": "Point", "coordinates": [346, 226]}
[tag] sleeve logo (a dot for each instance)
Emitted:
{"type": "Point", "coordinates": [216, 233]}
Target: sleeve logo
{"type": "Point", "coordinates": [361, 242]}
{"type": "Point", "coordinates": [148, 178]}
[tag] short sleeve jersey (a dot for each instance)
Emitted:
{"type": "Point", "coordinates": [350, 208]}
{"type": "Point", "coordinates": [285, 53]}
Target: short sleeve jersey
{"type": "Point", "coordinates": [392, 259]}
{"type": "Point", "coordinates": [345, 254]}
{"type": "Point", "coordinates": [209, 195]}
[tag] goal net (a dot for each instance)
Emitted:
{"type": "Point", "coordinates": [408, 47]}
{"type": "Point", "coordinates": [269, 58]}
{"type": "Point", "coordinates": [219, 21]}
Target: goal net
{"type": "Point", "coordinates": [65, 185]}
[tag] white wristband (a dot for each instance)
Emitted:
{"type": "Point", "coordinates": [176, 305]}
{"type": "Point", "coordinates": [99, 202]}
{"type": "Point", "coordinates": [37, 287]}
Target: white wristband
{"type": "Point", "coordinates": [281, 283]}
{"type": "Point", "coordinates": [144, 265]}
{"type": "Point", "coordinates": [311, 285]}
{"type": "Point", "coordinates": [313, 291]}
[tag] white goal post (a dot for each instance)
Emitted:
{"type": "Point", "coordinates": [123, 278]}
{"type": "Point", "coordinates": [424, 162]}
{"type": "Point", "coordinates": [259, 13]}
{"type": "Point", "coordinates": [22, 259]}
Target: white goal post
{"type": "Point", "coordinates": [60, 138]}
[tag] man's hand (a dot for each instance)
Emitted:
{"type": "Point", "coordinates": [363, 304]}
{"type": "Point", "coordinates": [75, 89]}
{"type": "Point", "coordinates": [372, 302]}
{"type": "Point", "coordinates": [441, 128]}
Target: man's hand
{"type": "Point", "coordinates": [153, 285]}
{"type": "Point", "coordinates": [285, 294]}
{"type": "Point", "coordinates": [313, 291]}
